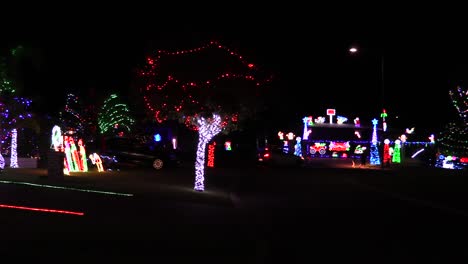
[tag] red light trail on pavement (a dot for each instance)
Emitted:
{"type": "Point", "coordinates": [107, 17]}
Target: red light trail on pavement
{"type": "Point", "coordinates": [41, 209]}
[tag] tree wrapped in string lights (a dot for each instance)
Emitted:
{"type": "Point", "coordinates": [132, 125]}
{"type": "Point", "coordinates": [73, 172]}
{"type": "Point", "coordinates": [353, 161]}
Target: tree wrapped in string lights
{"type": "Point", "coordinates": [209, 88]}
{"type": "Point", "coordinates": [71, 117]}
{"type": "Point", "coordinates": [114, 116]}
{"type": "Point", "coordinates": [453, 140]}
{"type": "Point", "coordinates": [15, 114]}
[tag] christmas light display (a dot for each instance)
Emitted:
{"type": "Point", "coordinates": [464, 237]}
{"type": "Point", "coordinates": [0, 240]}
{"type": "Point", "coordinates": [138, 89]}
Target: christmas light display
{"type": "Point", "coordinates": [417, 153]}
{"type": "Point", "coordinates": [13, 115]}
{"type": "Point", "coordinates": [384, 115]}
{"type": "Point", "coordinates": [374, 151]}
{"type": "Point", "coordinates": [14, 153]}
{"type": "Point", "coordinates": [281, 135]}
{"type": "Point", "coordinates": [396, 157]}
{"type": "Point", "coordinates": [320, 120]}
{"type": "Point", "coordinates": [114, 115]}
{"type": "Point", "coordinates": [6, 84]}
{"type": "Point", "coordinates": [307, 122]}
{"type": "Point", "coordinates": [431, 138]}
{"type": "Point", "coordinates": [65, 188]}
{"type": "Point", "coordinates": [40, 209]}
{"type": "Point", "coordinates": [211, 155]}
{"type": "Point", "coordinates": [227, 146]}
{"type": "Point", "coordinates": [409, 131]}
{"type": "Point", "coordinates": [205, 101]}
{"type": "Point", "coordinates": [460, 102]}
{"type": "Point", "coordinates": [331, 113]}
{"type": "Point", "coordinates": [96, 160]}
{"type": "Point", "coordinates": [386, 152]}
{"type": "Point", "coordinates": [174, 143]}
{"type": "Point", "coordinates": [2, 162]}
{"type": "Point", "coordinates": [357, 122]}
{"type": "Point", "coordinates": [57, 139]}
{"type": "Point", "coordinates": [208, 128]}
{"type": "Point", "coordinates": [157, 138]}
{"type": "Point", "coordinates": [298, 147]}
{"type": "Point", "coordinates": [453, 141]}
{"type": "Point", "coordinates": [341, 119]}
{"type": "Point", "coordinates": [82, 158]}
{"type": "Point", "coordinates": [72, 118]}
{"type": "Point", "coordinates": [290, 136]}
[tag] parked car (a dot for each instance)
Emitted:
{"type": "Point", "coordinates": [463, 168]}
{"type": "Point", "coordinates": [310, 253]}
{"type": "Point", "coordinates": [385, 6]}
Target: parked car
{"type": "Point", "coordinates": [126, 152]}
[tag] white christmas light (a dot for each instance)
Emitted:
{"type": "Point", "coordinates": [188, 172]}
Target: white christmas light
{"type": "Point", "coordinates": [207, 129]}
{"type": "Point", "coordinates": [14, 153]}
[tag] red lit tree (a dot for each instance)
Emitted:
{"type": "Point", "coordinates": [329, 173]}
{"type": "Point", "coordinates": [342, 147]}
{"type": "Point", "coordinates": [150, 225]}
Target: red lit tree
{"type": "Point", "coordinates": [210, 89]}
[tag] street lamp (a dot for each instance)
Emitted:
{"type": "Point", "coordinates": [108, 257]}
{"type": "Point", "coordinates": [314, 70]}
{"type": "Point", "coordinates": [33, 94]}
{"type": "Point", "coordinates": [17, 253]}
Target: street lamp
{"type": "Point", "coordinates": [353, 50]}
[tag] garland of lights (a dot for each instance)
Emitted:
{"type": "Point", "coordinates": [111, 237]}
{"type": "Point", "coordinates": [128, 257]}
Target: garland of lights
{"type": "Point", "coordinates": [187, 106]}
{"type": "Point", "coordinates": [114, 115]}
{"type": "Point", "coordinates": [460, 101]}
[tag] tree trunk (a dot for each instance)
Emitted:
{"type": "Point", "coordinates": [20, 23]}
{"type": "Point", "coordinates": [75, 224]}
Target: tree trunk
{"type": "Point", "coordinates": [207, 129]}
{"type": "Point", "coordinates": [14, 153]}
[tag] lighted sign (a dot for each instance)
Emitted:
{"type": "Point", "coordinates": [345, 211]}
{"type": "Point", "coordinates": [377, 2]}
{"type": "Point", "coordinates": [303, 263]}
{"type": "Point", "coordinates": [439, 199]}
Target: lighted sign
{"type": "Point", "coordinates": [339, 146]}
{"type": "Point", "coordinates": [357, 122]}
{"type": "Point", "coordinates": [211, 154]}
{"type": "Point", "coordinates": [331, 113]}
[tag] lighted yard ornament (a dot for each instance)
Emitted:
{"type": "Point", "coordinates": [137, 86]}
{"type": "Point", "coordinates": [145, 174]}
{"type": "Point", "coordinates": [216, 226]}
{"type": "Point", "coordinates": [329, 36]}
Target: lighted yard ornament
{"type": "Point", "coordinates": [227, 146]}
{"type": "Point", "coordinates": [386, 152]}
{"type": "Point", "coordinates": [57, 139]}
{"type": "Point", "coordinates": [174, 143]}
{"type": "Point", "coordinates": [396, 157]}
{"type": "Point", "coordinates": [320, 120]}
{"type": "Point", "coordinates": [83, 157]}
{"type": "Point", "coordinates": [409, 131]}
{"type": "Point", "coordinates": [211, 89]}
{"type": "Point", "coordinates": [431, 138]}
{"type": "Point", "coordinates": [290, 136]}
{"type": "Point", "coordinates": [307, 122]}
{"type": "Point", "coordinates": [68, 155]}
{"type": "Point", "coordinates": [341, 119]}
{"type": "Point", "coordinates": [374, 150]}
{"type": "Point", "coordinates": [298, 147]}
{"type": "Point", "coordinates": [357, 122]}
{"type": "Point", "coordinates": [285, 147]}
{"type": "Point", "coordinates": [96, 160]}
{"type": "Point", "coordinates": [281, 135]}
{"type": "Point", "coordinates": [331, 113]}
{"type": "Point", "coordinates": [357, 134]}
{"type": "Point", "coordinates": [2, 162]}
{"type": "Point", "coordinates": [384, 115]}
{"type": "Point", "coordinates": [157, 138]}
{"type": "Point", "coordinates": [14, 153]}
{"type": "Point", "coordinates": [403, 138]}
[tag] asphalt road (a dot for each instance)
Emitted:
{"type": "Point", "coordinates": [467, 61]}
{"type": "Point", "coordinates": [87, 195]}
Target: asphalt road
{"type": "Point", "coordinates": [247, 215]}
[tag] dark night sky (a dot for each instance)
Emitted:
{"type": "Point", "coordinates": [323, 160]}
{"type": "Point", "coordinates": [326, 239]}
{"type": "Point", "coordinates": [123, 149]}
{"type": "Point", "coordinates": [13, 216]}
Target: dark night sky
{"type": "Point", "coordinates": [312, 67]}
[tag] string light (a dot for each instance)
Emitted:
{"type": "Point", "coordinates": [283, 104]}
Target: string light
{"type": "Point", "coordinates": [14, 145]}
{"type": "Point", "coordinates": [374, 151]}
{"type": "Point", "coordinates": [208, 128]}
{"type": "Point", "coordinates": [114, 114]}
{"type": "Point", "coordinates": [187, 101]}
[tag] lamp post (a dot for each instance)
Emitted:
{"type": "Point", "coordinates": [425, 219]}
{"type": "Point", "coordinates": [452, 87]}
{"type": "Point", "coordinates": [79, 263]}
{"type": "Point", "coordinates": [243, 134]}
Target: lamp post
{"type": "Point", "coordinates": [354, 50]}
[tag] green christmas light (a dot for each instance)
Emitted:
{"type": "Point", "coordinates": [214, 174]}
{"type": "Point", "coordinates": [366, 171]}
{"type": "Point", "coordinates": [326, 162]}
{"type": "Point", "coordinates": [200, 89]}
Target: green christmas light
{"type": "Point", "coordinates": [65, 188]}
{"type": "Point", "coordinates": [114, 115]}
